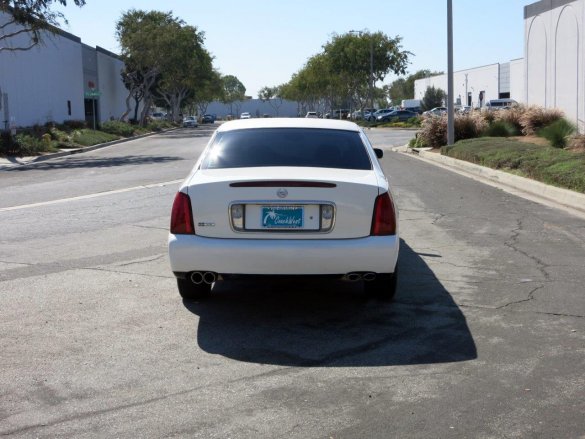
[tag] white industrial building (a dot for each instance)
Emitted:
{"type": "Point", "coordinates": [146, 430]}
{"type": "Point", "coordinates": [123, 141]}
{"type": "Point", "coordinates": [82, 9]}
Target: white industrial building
{"type": "Point", "coordinates": [57, 80]}
{"type": "Point", "coordinates": [554, 41]}
{"type": "Point", "coordinates": [475, 87]}
{"type": "Point", "coordinates": [551, 74]}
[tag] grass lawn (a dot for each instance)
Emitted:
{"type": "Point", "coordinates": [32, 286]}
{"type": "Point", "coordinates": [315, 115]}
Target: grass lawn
{"type": "Point", "coordinates": [549, 165]}
{"type": "Point", "coordinates": [87, 137]}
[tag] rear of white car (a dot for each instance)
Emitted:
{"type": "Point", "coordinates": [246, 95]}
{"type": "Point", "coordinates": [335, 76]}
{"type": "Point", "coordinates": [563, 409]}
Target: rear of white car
{"type": "Point", "coordinates": [285, 197]}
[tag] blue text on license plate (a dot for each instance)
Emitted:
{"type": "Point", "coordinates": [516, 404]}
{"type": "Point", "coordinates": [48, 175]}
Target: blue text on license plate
{"type": "Point", "coordinates": [282, 217]}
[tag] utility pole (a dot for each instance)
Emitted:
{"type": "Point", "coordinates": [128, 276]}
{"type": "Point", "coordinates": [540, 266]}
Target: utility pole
{"type": "Point", "coordinates": [371, 81]}
{"type": "Point", "coordinates": [450, 109]}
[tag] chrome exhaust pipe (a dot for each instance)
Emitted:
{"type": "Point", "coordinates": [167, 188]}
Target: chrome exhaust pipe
{"type": "Point", "coordinates": [353, 277]}
{"type": "Point", "coordinates": [209, 277]}
{"type": "Point", "coordinates": [196, 277]}
{"type": "Point", "coordinates": [368, 277]}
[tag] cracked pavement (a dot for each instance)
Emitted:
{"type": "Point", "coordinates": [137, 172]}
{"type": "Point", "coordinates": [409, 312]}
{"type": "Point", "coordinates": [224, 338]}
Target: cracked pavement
{"type": "Point", "coordinates": [486, 338]}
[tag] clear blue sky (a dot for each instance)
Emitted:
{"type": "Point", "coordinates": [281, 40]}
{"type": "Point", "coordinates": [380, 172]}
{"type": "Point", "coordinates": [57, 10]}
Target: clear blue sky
{"type": "Point", "coordinates": [263, 42]}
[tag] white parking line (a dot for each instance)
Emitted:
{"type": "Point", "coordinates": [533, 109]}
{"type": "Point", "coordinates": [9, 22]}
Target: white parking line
{"type": "Point", "coordinates": [84, 197]}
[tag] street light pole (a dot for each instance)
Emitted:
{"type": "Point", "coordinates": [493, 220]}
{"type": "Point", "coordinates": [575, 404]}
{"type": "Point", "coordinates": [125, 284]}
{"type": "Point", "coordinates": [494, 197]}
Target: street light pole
{"type": "Point", "coordinates": [450, 109]}
{"type": "Point", "coordinates": [371, 81]}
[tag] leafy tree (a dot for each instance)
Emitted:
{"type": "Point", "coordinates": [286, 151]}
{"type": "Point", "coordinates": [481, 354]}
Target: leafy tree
{"type": "Point", "coordinates": [143, 50]}
{"type": "Point", "coordinates": [133, 81]}
{"type": "Point", "coordinates": [209, 90]}
{"type": "Point", "coordinates": [357, 59]}
{"type": "Point", "coordinates": [233, 91]}
{"type": "Point", "coordinates": [272, 95]}
{"type": "Point", "coordinates": [343, 73]}
{"type": "Point", "coordinates": [165, 58]}
{"type": "Point", "coordinates": [434, 97]}
{"type": "Point", "coordinates": [398, 90]}
{"type": "Point", "coordinates": [316, 86]}
{"type": "Point", "coordinates": [403, 88]}
{"type": "Point", "coordinates": [187, 66]}
{"type": "Point", "coordinates": [30, 18]}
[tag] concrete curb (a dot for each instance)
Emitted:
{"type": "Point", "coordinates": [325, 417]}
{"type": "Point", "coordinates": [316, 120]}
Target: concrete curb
{"type": "Point", "coordinates": [554, 196]}
{"type": "Point", "coordinates": [54, 155]}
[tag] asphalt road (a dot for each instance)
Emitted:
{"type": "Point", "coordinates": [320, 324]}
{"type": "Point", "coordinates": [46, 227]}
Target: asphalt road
{"type": "Point", "coordinates": [486, 338]}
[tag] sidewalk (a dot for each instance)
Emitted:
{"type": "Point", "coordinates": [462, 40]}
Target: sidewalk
{"type": "Point", "coordinates": [552, 196]}
{"type": "Point", "coordinates": [14, 162]}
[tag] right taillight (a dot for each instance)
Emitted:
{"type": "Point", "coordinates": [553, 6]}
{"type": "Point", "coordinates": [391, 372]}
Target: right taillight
{"type": "Point", "coordinates": [181, 216]}
{"type": "Point", "coordinates": [384, 218]}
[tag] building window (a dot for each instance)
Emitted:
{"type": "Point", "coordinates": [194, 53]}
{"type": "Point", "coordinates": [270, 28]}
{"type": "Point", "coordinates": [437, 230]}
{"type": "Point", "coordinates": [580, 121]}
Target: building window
{"type": "Point", "coordinates": [69, 108]}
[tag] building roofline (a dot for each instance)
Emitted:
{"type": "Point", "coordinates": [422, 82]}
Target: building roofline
{"type": "Point", "coordinates": [107, 52]}
{"type": "Point", "coordinates": [543, 6]}
{"type": "Point", "coordinates": [49, 28]}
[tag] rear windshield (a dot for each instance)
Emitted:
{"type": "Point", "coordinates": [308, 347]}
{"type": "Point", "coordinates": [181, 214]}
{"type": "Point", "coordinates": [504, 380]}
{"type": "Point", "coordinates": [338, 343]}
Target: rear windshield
{"type": "Point", "coordinates": [304, 147]}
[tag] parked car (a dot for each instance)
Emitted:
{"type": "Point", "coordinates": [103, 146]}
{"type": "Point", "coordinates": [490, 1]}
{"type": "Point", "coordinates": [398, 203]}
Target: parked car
{"type": "Point", "coordinates": [208, 118]}
{"type": "Point", "coordinates": [362, 114]}
{"type": "Point", "coordinates": [245, 115]}
{"type": "Point", "coordinates": [285, 197]}
{"type": "Point", "coordinates": [368, 112]}
{"type": "Point", "coordinates": [311, 115]}
{"type": "Point", "coordinates": [337, 114]}
{"type": "Point", "coordinates": [381, 112]}
{"type": "Point", "coordinates": [399, 115]}
{"type": "Point", "coordinates": [190, 122]}
{"type": "Point", "coordinates": [437, 111]}
{"type": "Point", "coordinates": [158, 116]}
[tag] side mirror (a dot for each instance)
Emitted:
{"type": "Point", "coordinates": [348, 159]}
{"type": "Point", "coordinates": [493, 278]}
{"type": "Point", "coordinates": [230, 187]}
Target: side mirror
{"type": "Point", "coordinates": [379, 153]}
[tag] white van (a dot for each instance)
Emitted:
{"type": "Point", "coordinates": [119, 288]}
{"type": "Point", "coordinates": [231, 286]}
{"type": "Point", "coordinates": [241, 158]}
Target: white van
{"type": "Point", "coordinates": [498, 104]}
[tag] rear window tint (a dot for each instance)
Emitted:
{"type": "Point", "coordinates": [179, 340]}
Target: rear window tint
{"type": "Point", "coordinates": [303, 147]}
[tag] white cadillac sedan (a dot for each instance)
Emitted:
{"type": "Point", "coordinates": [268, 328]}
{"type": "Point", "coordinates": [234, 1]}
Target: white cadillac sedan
{"type": "Point", "coordinates": [285, 197]}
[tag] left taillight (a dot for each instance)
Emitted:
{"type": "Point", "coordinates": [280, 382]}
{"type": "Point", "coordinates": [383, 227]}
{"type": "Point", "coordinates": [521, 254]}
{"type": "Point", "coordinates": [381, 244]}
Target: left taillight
{"type": "Point", "coordinates": [181, 215]}
{"type": "Point", "coordinates": [384, 218]}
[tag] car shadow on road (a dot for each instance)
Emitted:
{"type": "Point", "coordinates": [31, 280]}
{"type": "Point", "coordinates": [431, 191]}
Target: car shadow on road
{"type": "Point", "coordinates": [332, 324]}
{"type": "Point", "coordinates": [84, 161]}
{"type": "Point", "coordinates": [187, 133]}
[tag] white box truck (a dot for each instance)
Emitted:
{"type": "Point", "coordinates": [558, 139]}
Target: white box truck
{"type": "Point", "coordinates": [411, 104]}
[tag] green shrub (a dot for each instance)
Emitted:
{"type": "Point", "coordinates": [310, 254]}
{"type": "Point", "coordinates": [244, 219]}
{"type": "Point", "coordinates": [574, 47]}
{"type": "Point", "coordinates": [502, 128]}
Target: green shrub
{"type": "Point", "coordinates": [7, 145]}
{"type": "Point", "coordinates": [468, 126]}
{"type": "Point", "coordinates": [557, 133]}
{"type": "Point", "coordinates": [87, 137]}
{"type": "Point", "coordinates": [512, 116]}
{"type": "Point", "coordinates": [535, 118]}
{"type": "Point", "coordinates": [417, 142]}
{"type": "Point", "coordinates": [433, 131]}
{"type": "Point", "coordinates": [159, 125]}
{"type": "Point", "coordinates": [74, 124]}
{"type": "Point", "coordinates": [489, 116]}
{"type": "Point", "coordinates": [30, 145]}
{"type": "Point", "coordinates": [415, 121]}
{"type": "Point", "coordinates": [118, 128]}
{"type": "Point", "coordinates": [500, 128]}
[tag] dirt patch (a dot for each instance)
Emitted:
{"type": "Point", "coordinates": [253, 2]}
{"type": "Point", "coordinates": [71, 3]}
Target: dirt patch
{"type": "Point", "coordinates": [532, 139]}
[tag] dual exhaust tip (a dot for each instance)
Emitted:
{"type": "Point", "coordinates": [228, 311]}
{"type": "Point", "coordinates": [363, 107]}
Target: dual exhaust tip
{"type": "Point", "coordinates": [207, 277]}
{"type": "Point", "coordinates": [357, 276]}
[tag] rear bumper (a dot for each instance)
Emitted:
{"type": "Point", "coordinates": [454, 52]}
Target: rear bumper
{"type": "Point", "coordinates": [376, 254]}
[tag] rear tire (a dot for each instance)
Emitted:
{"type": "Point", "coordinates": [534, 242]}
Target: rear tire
{"type": "Point", "coordinates": [190, 291]}
{"type": "Point", "coordinates": [383, 287]}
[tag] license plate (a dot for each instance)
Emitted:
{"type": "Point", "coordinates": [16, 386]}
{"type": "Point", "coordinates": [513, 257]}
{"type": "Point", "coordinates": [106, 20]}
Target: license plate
{"type": "Point", "coordinates": [282, 217]}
